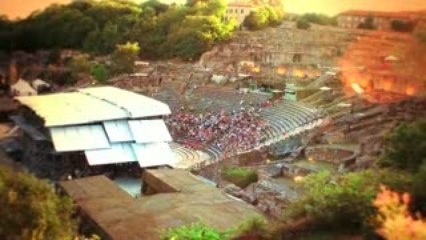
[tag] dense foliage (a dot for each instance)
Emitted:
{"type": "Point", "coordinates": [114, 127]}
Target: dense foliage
{"type": "Point", "coordinates": [100, 72]}
{"type": "Point", "coordinates": [303, 24]}
{"type": "Point", "coordinates": [196, 231]}
{"type": "Point", "coordinates": [240, 176]}
{"type": "Point", "coordinates": [31, 210]}
{"type": "Point", "coordinates": [395, 220]}
{"type": "Point", "coordinates": [344, 201]}
{"type": "Point", "coordinates": [406, 146]}
{"type": "Point", "coordinates": [406, 150]}
{"type": "Point", "coordinates": [98, 26]}
{"type": "Point", "coordinates": [317, 18]}
{"type": "Point", "coordinates": [124, 57]}
{"type": "Point", "coordinates": [264, 17]}
{"type": "Point", "coordinates": [257, 228]}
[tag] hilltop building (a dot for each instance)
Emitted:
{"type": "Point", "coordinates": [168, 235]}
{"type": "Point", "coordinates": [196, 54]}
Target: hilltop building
{"type": "Point", "coordinates": [239, 10]}
{"type": "Point", "coordinates": [103, 125]}
{"type": "Point", "coordinates": [381, 20]}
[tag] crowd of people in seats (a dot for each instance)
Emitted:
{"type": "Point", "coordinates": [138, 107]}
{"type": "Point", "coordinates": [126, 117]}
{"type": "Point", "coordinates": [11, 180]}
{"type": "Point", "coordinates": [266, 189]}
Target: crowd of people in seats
{"type": "Point", "coordinates": [234, 131]}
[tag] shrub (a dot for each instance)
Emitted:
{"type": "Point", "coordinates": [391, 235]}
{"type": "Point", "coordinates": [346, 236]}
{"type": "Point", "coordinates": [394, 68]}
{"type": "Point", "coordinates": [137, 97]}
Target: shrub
{"type": "Point", "coordinates": [406, 146]}
{"type": "Point", "coordinates": [31, 210]}
{"type": "Point", "coordinates": [195, 231]}
{"type": "Point", "coordinates": [239, 176]}
{"type": "Point", "coordinates": [395, 219]}
{"type": "Point", "coordinates": [418, 191]}
{"type": "Point", "coordinates": [124, 57]}
{"type": "Point", "coordinates": [303, 24]}
{"type": "Point", "coordinates": [61, 77]}
{"type": "Point", "coordinates": [80, 64]}
{"type": "Point", "coordinates": [99, 72]}
{"type": "Point", "coordinates": [344, 201]}
{"type": "Point", "coordinates": [257, 228]}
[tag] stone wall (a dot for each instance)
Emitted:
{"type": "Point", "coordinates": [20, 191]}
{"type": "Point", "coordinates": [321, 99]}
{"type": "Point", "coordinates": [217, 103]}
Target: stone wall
{"type": "Point", "coordinates": [327, 154]}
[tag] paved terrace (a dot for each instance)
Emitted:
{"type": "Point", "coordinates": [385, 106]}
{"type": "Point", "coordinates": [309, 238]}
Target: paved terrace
{"type": "Point", "coordinates": [180, 198]}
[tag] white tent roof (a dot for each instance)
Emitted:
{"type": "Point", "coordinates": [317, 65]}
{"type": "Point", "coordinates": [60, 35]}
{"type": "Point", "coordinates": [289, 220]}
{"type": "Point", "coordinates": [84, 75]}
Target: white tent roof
{"type": "Point", "coordinates": [146, 131]}
{"type": "Point", "coordinates": [154, 154]}
{"type": "Point", "coordinates": [23, 88]}
{"type": "Point", "coordinates": [109, 103]}
{"type": "Point", "coordinates": [105, 123]}
{"type": "Point", "coordinates": [136, 105]}
{"type": "Point", "coordinates": [118, 153]}
{"type": "Point", "coordinates": [74, 108]}
{"type": "Point", "coordinates": [148, 155]}
{"type": "Point", "coordinates": [118, 131]}
{"type": "Point", "coordinates": [77, 138]}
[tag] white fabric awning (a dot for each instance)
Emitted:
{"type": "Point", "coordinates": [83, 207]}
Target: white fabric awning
{"type": "Point", "coordinates": [79, 138]}
{"type": "Point", "coordinates": [118, 153]}
{"type": "Point", "coordinates": [149, 131]}
{"type": "Point", "coordinates": [154, 154]}
{"type": "Point", "coordinates": [118, 131]}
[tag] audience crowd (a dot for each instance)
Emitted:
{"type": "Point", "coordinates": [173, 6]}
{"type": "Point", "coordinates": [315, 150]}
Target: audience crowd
{"type": "Point", "coordinates": [235, 131]}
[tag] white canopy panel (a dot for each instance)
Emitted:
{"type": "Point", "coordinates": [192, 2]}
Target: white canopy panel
{"type": "Point", "coordinates": [118, 131]}
{"type": "Point", "coordinates": [149, 131]}
{"type": "Point", "coordinates": [118, 153]}
{"type": "Point", "coordinates": [72, 108]}
{"type": "Point", "coordinates": [78, 138]}
{"type": "Point", "coordinates": [154, 154]}
{"type": "Point", "coordinates": [137, 105]}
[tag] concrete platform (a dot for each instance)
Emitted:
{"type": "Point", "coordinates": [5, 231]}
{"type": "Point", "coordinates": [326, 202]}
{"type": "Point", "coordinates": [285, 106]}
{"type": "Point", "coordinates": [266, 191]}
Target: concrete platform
{"type": "Point", "coordinates": [116, 215]}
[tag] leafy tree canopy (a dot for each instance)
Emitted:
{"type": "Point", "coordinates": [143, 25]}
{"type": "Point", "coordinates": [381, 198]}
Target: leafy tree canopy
{"type": "Point", "coordinates": [98, 26]}
{"type": "Point", "coordinates": [316, 18]}
{"type": "Point", "coordinates": [406, 146]}
{"type": "Point", "coordinates": [264, 17]}
{"type": "Point", "coordinates": [124, 57]}
{"type": "Point", "coordinates": [31, 210]}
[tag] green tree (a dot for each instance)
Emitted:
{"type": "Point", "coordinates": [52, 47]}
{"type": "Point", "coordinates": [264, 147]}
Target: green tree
{"type": "Point", "coordinates": [264, 17]}
{"type": "Point", "coordinates": [406, 146]}
{"type": "Point", "coordinates": [303, 24]}
{"type": "Point", "coordinates": [99, 72]}
{"type": "Point", "coordinates": [344, 201]}
{"type": "Point", "coordinates": [124, 57]}
{"type": "Point", "coordinates": [98, 26]}
{"type": "Point", "coordinates": [320, 19]}
{"type": "Point", "coordinates": [418, 191]}
{"type": "Point", "coordinates": [256, 20]}
{"type": "Point", "coordinates": [30, 209]}
{"type": "Point", "coordinates": [156, 5]}
{"type": "Point", "coordinates": [80, 64]}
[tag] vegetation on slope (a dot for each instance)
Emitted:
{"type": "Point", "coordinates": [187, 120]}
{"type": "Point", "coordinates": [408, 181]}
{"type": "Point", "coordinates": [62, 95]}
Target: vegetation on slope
{"type": "Point", "coordinates": [240, 176]}
{"type": "Point", "coordinates": [195, 231]}
{"type": "Point", "coordinates": [31, 210]}
{"type": "Point", "coordinates": [162, 31]}
{"type": "Point", "coordinates": [406, 147]}
{"type": "Point", "coordinates": [264, 17]}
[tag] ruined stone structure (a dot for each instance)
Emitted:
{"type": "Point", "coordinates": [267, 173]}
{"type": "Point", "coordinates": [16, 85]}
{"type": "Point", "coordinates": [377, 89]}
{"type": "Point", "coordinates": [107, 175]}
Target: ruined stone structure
{"type": "Point", "coordinates": [385, 61]}
{"type": "Point", "coordinates": [381, 20]}
{"type": "Point", "coordinates": [279, 52]}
